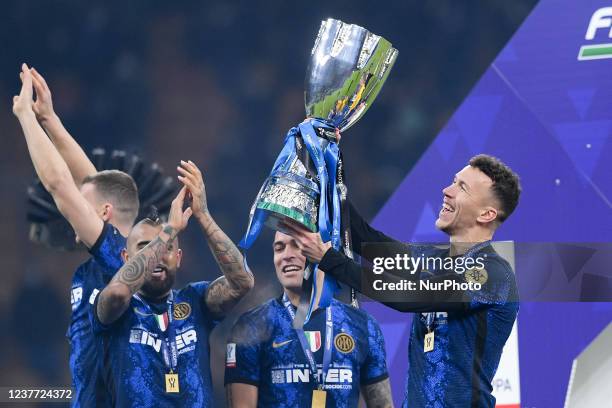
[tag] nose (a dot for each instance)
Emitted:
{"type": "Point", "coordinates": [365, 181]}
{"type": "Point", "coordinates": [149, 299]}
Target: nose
{"type": "Point", "coordinates": [448, 191]}
{"type": "Point", "coordinates": [290, 253]}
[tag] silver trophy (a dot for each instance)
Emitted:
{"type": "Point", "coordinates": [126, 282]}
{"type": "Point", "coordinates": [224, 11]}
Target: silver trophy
{"type": "Point", "coordinates": [348, 66]}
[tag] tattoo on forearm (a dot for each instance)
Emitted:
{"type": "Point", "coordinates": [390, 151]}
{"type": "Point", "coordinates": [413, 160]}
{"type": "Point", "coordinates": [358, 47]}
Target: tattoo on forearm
{"type": "Point", "coordinates": [236, 281]}
{"type": "Point", "coordinates": [378, 395]}
{"type": "Point", "coordinates": [132, 274]}
{"type": "Point", "coordinates": [113, 299]}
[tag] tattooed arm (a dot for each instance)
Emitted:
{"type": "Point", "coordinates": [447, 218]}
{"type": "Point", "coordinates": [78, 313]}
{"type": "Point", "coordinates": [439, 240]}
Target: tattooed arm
{"type": "Point", "coordinates": [115, 297]}
{"type": "Point", "coordinates": [227, 290]}
{"type": "Point", "coordinates": [378, 395]}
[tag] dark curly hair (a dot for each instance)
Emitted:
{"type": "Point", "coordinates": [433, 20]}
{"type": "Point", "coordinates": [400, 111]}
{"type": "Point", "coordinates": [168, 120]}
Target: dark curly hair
{"type": "Point", "coordinates": [506, 183]}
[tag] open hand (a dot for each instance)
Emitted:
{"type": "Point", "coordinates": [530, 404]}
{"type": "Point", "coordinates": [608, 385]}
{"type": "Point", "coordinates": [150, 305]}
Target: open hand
{"type": "Point", "coordinates": [177, 218]}
{"type": "Point", "coordinates": [191, 177]}
{"type": "Point", "coordinates": [43, 105]}
{"type": "Point", "coordinates": [310, 243]}
{"type": "Point", "coordinates": [22, 103]}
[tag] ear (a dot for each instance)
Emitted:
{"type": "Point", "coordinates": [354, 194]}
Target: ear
{"type": "Point", "coordinates": [487, 215]}
{"type": "Point", "coordinates": [124, 255]}
{"type": "Point", "coordinates": [107, 212]}
{"type": "Point", "coordinates": [179, 256]}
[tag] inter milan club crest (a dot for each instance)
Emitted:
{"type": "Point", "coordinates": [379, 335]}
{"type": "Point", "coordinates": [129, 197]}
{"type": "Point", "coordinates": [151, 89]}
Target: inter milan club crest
{"type": "Point", "coordinates": [344, 343]}
{"type": "Point", "coordinates": [314, 339]}
{"type": "Point", "coordinates": [182, 311]}
{"type": "Point", "coordinates": [477, 276]}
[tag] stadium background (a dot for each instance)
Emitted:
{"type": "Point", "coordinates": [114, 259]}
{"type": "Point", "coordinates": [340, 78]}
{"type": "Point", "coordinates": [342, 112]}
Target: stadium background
{"type": "Point", "coordinates": [218, 83]}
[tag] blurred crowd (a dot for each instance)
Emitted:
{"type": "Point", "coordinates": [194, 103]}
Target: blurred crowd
{"type": "Point", "coordinates": [219, 83]}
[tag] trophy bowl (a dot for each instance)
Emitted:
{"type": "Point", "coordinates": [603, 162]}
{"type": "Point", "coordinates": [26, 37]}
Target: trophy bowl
{"type": "Point", "coordinates": [348, 67]}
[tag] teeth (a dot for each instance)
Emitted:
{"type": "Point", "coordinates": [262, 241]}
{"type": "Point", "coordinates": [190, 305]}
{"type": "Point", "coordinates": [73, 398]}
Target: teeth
{"type": "Point", "coordinates": [158, 269]}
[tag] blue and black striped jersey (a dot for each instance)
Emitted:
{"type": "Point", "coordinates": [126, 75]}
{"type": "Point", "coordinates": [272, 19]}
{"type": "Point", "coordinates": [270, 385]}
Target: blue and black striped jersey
{"type": "Point", "coordinates": [134, 365]}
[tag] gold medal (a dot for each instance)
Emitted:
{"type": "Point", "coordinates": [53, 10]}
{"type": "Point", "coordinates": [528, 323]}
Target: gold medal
{"type": "Point", "coordinates": [429, 342]}
{"type": "Point", "coordinates": [318, 398]}
{"type": "Point", "coordinates": [172, 382]}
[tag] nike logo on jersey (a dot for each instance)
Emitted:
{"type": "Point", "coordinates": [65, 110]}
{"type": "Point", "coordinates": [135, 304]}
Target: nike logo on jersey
{"type": "Point", "coordinates": [280, 344]}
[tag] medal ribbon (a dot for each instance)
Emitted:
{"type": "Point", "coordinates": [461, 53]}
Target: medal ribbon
{"type": "Point", "coordinates": [326, 163]}
{"type": "Point", "coordinates": [170, 350]}
{"type": "Point", "coordinates": [329, 328]}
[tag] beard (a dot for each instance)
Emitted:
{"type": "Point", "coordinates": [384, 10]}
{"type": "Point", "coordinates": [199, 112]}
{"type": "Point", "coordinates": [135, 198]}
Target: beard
{"type": "Point", "coordinates": [154, 289]}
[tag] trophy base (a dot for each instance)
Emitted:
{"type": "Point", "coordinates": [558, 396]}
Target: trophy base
{"type": "Point", "coordinates": [278, 214]}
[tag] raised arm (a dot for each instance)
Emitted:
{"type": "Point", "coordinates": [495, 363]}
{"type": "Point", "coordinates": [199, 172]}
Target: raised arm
{"type": "Point", "coordinates": [78, 163]}
{"type": "Point", "coordinates": [115, 297]}
{"type": "Point", "coordinates": [51, 168]}
{"type": "Point", "coordinates": [236, 281]}
{"type": "Point", "coordinates": [361, 278]}
{"type": "Point", "coordinates": [362, 232]}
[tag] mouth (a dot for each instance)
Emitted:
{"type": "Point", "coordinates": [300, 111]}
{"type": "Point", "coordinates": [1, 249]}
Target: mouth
{"type": "Point", "coordinates": [447, 208]}
{"type": "Point", "coordinates": [291, 268]}
{"type": "Point", "coordinates": [159, 272]}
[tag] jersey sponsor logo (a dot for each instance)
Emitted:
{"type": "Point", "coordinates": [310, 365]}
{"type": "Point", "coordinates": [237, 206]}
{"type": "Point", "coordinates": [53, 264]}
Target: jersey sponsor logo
{"type": "Point", "coordinates": [92, 297]}
{"type": "Point", "coordinates": [230, 355]}
{"type": "Point", "coordinates": [280, 344]}
{"type": "Point", "coordinates": [181, 311]}
{"type": "Point", "coordinates": [76, 295]}
{"type": "Point", "coordinates": [344, 343]}
{"type": "Point", "coordinates": [337, 377]}
{"type": "Point", "coordinates": [185, 341]}
{"type": "Point", "coordinates": [314, 339]}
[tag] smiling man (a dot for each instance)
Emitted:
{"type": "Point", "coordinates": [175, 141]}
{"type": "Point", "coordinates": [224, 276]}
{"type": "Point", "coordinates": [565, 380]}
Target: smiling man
{"type": "Point", "coordinates": [457, 338]}
{"type": "Point", "coordinates": [156, 339]}
{"type": "Point", "coordinates": [271, 364]}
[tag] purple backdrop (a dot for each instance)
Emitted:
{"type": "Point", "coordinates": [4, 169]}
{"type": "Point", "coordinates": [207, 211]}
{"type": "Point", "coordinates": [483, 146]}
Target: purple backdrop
{"type": "Point", "coordinates": [549, 116]}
